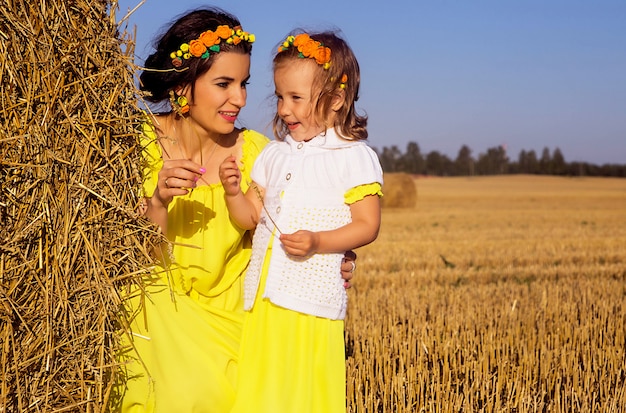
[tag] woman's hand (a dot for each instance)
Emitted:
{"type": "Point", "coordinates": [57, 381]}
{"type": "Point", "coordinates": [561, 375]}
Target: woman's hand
{"type": "Point", "coordinates": [348, 265]}
{"type": "Point", "coordinates": [176, 177]}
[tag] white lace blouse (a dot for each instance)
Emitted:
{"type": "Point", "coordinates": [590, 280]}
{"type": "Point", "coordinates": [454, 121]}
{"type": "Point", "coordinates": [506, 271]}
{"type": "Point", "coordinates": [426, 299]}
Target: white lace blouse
{"type": "Point", "coordinates": [305, 183]}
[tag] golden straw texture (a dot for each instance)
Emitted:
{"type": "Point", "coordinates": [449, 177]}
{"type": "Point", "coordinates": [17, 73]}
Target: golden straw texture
{"type": "Point", "coordinates": [399, 191]}
{"type": "Point", "coordinates": [70, 238]}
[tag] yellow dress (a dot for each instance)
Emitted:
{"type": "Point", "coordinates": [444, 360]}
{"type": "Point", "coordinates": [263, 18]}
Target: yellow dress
{"type": "Point", "coordinates": [185, 338]}
{"type": "Point", "coordinates": [292, 362]}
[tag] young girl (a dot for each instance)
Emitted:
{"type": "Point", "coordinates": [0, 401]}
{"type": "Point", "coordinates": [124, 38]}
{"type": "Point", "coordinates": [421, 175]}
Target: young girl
{"type": "Point", "coordinates": [314, 194]}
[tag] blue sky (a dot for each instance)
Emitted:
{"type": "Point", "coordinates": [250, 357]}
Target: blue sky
{"type": "Point", "coordinates": [526, 74]}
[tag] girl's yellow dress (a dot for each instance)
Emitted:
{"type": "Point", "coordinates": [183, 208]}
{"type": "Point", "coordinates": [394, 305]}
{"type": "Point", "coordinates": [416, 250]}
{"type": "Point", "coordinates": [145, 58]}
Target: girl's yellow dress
{"type": "Point", "coordinates": [291, 362]}
{"type": "Point", "coordinates": [186, 331]}
{"type": "Point", "coordinates": [295, 369]}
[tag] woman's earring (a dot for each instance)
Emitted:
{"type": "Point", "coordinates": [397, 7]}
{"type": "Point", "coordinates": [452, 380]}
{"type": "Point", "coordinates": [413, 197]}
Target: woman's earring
{"type": "Point", "coordinates": [180, 105]}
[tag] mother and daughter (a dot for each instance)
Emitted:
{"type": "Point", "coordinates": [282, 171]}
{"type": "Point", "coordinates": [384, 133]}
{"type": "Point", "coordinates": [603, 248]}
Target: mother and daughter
{"type": "Point", "coordinates": [231, 322]}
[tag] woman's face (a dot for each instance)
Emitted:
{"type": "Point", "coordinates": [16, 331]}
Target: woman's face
{"type": "Point", "coordinates": [220, 93]}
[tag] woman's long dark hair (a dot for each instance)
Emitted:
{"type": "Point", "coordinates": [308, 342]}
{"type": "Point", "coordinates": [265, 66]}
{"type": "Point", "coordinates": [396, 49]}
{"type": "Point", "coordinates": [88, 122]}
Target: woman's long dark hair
{"type": "Point", "coordinates": [160, 76]}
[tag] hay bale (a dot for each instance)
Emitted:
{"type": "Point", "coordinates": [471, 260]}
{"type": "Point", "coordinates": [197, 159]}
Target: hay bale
{"type": "Point", "coordinates": [399, 191]}
{"type": "Point", "coordinates": [69, 179]}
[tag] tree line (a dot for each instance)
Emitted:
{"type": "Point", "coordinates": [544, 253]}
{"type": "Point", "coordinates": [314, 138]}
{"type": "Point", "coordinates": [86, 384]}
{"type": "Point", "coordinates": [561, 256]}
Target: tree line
{"type": "Point", "coordinates": [494, 161]}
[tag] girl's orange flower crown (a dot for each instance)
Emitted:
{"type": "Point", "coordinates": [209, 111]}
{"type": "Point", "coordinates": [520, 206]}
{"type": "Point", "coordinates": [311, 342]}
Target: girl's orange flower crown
{"type": "Point", "coordinates": [209, 43]}
{"type": "Point", "coordinates": [308, 48]}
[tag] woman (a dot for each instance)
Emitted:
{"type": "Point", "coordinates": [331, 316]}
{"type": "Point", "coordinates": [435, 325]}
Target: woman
{"type": "Point", "coordinates": [186, 324]}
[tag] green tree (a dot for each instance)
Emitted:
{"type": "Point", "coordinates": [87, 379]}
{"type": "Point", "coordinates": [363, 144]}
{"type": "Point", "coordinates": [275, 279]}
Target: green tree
{"type": "Point", "coordinates": [493, 162]}
{"type": "Point", "coordinates": [559, 166]}
{"type": "Point", "coordinates": [464, 163]}
{"type": "Point", "coordinates": [389, 159]}
{"type": "Point", "coordinates": [413, 161]}
{"type": "Point", "coordinates": [545, 163]}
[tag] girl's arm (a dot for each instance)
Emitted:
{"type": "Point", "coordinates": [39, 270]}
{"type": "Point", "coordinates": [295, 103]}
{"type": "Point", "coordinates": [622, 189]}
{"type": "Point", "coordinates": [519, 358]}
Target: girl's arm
{"type": "Point", "coordinates": [361, 231]}
{"type": "Point", "coordinates": [244, 209]}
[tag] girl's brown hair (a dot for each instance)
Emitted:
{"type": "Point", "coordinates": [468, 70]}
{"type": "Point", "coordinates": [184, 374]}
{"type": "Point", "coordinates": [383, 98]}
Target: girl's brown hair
{"type": "Point", "coordinates": [328, 86]}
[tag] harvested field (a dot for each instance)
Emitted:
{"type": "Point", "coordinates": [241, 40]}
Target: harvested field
{"type": "Point", "coordinates": [494, 294]}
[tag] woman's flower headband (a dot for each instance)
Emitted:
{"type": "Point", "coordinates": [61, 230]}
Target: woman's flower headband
{"type": "Point", "coordinates": [308, 48]}
{"type": "Point", "coordinates": [209, 42]}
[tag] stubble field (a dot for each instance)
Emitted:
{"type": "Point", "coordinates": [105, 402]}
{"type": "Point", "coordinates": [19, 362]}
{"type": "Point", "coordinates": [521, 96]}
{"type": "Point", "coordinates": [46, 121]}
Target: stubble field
{"type": "Point", "coordinates": [493, 294]}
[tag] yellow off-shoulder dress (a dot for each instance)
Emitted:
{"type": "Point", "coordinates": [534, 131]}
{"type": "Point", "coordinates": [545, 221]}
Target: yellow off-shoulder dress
{"type": "Point", "coordinates": [186, 331]}
{"type": "Point", "coordinates": [292, 362]}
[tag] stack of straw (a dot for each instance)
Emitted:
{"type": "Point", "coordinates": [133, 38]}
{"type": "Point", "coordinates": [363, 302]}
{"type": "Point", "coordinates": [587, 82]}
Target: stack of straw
{"type": "Point", "coordinates": [399, 191]}
{"type": "Point", "coordinates": [70, 238]}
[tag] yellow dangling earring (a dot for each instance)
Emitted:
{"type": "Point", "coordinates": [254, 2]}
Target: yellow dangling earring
{"type": "Point", "coordinates": [179, 104]}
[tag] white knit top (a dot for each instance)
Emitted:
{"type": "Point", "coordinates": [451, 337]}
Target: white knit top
{"type": "Point", "coordinates": [305, 183]}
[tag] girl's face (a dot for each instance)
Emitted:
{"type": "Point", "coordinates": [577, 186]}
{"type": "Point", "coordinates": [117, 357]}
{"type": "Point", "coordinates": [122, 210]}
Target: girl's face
{"type": "Point", "coordinates": [220, 93]}
{"type": "Point", "coordinates": [293, 81]}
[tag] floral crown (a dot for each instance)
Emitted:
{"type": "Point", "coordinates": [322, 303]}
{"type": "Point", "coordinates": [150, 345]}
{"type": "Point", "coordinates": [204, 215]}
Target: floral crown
{"type": "Point", "coordinates": [209, 43]}
{"type": "Point", "coordinates": [308, 48]}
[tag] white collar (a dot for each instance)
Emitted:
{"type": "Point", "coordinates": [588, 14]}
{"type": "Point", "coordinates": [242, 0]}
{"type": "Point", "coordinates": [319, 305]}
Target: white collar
{"type": "Point", "coordinates": [328, 139]}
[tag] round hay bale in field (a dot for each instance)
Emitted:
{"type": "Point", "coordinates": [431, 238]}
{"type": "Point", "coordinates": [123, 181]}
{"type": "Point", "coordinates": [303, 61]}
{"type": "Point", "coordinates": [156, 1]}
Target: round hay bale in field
{"type": "Point", "coordinates": [70, 173]}
{"type": "Point", "coordinates": [399, 191]}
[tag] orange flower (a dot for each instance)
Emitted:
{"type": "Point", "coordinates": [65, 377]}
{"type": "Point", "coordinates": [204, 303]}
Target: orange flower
{"type": "Point", "coordinates": [209, 41]}
{"type": "Point", "coordinates": [309, 48]}
{"type": "Point", "coordinates": [301, 39]}
{"type": "Point", "coordinates": [209, 38]}
{"type": "Point", "coordinates": [322, 55]}
{"type": "Point", "coordinates": [197, 48]}
{"type": "Point", "coordinates": [223, 31]}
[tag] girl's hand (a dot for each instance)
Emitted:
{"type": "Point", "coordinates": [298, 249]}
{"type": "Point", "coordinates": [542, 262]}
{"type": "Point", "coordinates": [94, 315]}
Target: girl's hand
{"type": "Point", "coordinates": [176, 177]}
{"type": "Point", "coordinates": [304, 243]}
{"type": "Point", "coordinates": [230, 175]}
{"type": "Point", "coordinates": [301, 243]}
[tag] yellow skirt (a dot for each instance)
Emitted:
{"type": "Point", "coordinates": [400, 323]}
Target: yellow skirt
{"type": "Point", "coordinates": [290, 362]}
{"type": "Point", "coordinates": [184, 353]}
